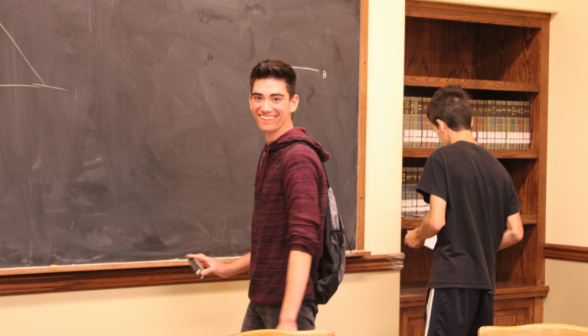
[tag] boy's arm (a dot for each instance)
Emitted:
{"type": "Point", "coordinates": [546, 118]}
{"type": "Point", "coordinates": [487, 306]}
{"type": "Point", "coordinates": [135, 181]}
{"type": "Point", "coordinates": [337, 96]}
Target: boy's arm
{"type": "Point", "coordinates": [221, 269]}
{"type": "Point", "coordinates": [432, 223]}
{"type": "Point", "coordinates": [297, 275]}
{"type": "Point", "coordinates": [514, 231]}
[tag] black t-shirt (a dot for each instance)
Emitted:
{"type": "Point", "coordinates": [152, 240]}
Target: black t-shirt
{"type": "Point", "coordinates": [480, 196]}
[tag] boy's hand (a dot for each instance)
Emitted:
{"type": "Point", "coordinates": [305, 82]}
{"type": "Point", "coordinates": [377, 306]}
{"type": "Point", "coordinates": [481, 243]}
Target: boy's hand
{"type": "Point", "coordinates": [210, 265]}
{"type": "Point", "coordinates": [287, 325]}
{"type": "Point", "coordinates": [413, 239]}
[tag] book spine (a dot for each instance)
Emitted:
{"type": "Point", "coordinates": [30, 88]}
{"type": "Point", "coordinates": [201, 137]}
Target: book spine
{"type": "Point", "coordinates": [520, 133]}
{"type": "Point", "coordinates": [503, 125]}
{"type": "Point", "coordinates": [409, 188]}
{"type": "Point", "coordinates": [427, 128]}
{"type": "Point", "coordinates": [480, 127]}
{"type": "Point", "coordinates": [420, 200]}
{"type": "Point", "coordinates": [516, 136]}
{"type": "Point", "coordinates": [406, 123]}
{"type": "Point", "coordinates": [498, 118]}
{"type": "Point", "coordinates": [527, 124]}
{"type": "Point", "coordinates": [413, 121]}
{"type": "Point", "coordinates": [419, 126]}
{"type": "Point", "coordinates": [486, 122]}
{"type": "Point", "coordinates": [509, 125]}
{"type": "Point", "coordinates": [492, 137]}
{"type": "Point", "coordinates": [403, 202]}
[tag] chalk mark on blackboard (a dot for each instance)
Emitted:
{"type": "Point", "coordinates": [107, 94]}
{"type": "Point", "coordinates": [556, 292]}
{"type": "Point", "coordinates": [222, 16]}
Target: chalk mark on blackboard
{"type": "Point", "coordinates": [90, 15]}
{"type": "Point", "coordinates": [50, 87]}
{"type": "Point", "coordinates": [20, 51]}
{"type": "Point", "coordinates": [305, 68]}
{"type": "Point", "coordinates": [19, 85]}
{"type": "Point", "coordinates": [35, 85]}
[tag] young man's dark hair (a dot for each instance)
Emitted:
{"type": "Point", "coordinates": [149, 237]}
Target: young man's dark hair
{"type": "Point", "coordinates": [451, 105]}
{"type": "Point", "coordinates": [276, 69]}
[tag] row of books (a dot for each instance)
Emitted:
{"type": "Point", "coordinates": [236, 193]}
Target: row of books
{"type": "Point", "coordinates": [413, 204]}
{"type": "Point", "coordinates": [497, 124]}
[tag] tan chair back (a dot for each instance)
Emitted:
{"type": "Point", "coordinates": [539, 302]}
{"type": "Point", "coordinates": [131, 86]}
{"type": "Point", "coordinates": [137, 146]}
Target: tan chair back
{"type": "Point", "coordinates": [272, 332]}
{"type": "Point", "coordinates": [544, 329]}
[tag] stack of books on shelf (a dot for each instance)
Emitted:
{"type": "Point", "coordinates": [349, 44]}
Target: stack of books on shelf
{"type": "Point", "coordinates": [497, 124]}
{"type": "Point", "coordinates": [413, 204]}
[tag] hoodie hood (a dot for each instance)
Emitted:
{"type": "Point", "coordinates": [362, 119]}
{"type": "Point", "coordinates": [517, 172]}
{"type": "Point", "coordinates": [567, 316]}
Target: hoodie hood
{"type": "Point", "coordinates": [298, 134]}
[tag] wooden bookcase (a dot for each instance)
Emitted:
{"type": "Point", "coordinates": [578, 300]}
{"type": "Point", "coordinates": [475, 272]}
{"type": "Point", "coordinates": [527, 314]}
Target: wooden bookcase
{"type": "Point", "coordinates": [495, 55]}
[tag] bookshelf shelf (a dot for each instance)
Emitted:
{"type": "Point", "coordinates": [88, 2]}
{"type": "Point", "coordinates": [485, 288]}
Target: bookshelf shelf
{"type": "Point", "coordinates": [498, 153]}
{"type": "Point", "coordinates": [413, 223]}
{"type": "Point", "coordinates": [500, 56]}
{"type": "Point", "coordinates": [472, 84]}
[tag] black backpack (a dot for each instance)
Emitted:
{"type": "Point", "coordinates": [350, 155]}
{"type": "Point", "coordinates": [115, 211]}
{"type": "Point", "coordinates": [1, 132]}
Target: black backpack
{"type": "Point", "coordinates": [331, 267]}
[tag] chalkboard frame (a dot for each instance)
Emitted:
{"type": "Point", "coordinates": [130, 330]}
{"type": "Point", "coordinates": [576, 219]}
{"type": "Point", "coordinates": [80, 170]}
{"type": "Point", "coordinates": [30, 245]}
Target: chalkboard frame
{"type": "Point", "coordinates": [133, 274]}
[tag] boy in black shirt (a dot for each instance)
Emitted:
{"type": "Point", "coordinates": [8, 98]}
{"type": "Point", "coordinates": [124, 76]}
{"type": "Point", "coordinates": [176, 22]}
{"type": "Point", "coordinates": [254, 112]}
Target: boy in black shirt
{"type": "Point", "coordinates": [474, 213]}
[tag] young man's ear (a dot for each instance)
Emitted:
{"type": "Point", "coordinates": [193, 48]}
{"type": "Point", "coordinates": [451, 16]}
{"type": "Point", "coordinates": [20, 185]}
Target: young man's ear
{"type": "Point", "coordinates": [442, 126]}
{"type": "Point", "coordinates": [294, 103]}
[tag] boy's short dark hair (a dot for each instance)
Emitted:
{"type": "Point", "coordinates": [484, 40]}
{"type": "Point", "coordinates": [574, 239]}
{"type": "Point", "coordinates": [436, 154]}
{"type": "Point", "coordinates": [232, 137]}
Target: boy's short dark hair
{"type": "Point", "coordinates": [276, 69]}
{"type": "Point", "coordinates": [451, 104]}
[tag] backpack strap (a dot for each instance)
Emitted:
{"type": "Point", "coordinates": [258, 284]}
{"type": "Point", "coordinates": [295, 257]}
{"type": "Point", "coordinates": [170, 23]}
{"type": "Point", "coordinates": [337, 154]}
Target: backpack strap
{"type": "Point", "coordinates": [317, 154]}
{"type": "Point", "coordinates": [326, 175]}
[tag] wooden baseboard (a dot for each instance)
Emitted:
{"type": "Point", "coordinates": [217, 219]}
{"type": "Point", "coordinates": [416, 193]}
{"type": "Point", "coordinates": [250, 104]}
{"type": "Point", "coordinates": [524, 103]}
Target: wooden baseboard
{"type": "Point", "coordinates": [566, 252]}
{"type": "Point", "coordinates": [155, 276]}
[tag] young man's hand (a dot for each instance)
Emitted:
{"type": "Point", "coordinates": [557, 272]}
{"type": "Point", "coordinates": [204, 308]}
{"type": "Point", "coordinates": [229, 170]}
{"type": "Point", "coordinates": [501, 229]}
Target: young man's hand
{"type": "Point", "coordinates": [433, 222]}
{"type": "Point", "coordinates": [210, 265]}
{"type": "Point", "coordinates": [413, 239]}
{"type": "Point", "coordinates": [287, 325]}
{"type": "Point", "coordinates": [221, 269]}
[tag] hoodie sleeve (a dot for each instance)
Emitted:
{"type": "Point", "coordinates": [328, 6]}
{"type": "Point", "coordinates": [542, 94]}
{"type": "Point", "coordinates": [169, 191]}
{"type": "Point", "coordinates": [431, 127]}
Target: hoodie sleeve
{"type": "Point", "coordinates": [304, 186]}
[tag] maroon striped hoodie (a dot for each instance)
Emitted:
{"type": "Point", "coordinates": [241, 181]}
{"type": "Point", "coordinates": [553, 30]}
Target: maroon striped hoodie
{"type": "Point", "coordinates": [287, 216]}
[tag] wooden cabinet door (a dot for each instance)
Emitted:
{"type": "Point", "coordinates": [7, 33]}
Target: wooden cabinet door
{"type": "Point", "coordinates": [506, 313]}
{"type": "Point", "coordinates": [412, 321]}
{"type": "Point", "coordinates": [513, 312]}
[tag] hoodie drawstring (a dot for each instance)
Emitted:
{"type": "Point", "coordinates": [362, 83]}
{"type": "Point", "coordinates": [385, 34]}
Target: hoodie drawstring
{"type": "Point", "coordinates": [264, 156]}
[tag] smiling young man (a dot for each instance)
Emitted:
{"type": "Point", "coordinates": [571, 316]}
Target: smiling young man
{"type": "Point", "coordinates": [474, 213]}
{"type": "Point", "coordinates": [289, 210]}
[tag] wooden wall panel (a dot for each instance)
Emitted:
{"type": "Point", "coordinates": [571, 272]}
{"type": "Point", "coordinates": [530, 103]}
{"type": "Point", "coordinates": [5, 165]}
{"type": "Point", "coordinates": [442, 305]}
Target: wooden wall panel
{"type": "Point", "coordinates": [513, 312]}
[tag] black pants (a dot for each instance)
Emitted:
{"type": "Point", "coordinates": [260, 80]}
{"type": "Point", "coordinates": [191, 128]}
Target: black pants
{"type": "Point", "coordinates": [268, 317]}
{"type": "Point", "coordinates": [458, 311]}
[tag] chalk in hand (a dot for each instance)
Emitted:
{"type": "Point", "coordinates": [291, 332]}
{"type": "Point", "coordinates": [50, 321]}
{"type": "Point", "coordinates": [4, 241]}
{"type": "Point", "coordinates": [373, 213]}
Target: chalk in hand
{"type": "Point", "coordinates": [197, 267]}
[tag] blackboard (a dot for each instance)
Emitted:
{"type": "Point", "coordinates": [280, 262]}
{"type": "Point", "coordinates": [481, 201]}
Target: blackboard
{"type": "Point", "coordinates": [125, 130]}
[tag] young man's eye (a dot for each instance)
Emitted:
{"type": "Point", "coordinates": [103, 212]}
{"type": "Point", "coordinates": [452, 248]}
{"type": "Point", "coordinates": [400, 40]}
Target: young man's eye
{"type": "Point", "coordinates": [277, 100]}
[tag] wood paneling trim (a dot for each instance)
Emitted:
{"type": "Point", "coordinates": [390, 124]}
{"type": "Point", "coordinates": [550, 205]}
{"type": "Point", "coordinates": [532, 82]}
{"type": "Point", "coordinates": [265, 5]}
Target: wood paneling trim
{"type": "Point", "coordinates": [362, 134]}
{"type": "Point", "coordinates": [566, 252]}
{"type": "Point", "coordinates": [498, 153]}
{"type": "Point", "coordinates": [416, 297]}
{"type": "Point", "coordinates": [474, 84]}
{"type": "Point", "coordinates": [155, 276]}
{"type": "Point", "coordinates": [475, 14]}
{"type": "Point", "coordinates": [375, 263]}
{"type": "Point", "coordinates": [131, 265]}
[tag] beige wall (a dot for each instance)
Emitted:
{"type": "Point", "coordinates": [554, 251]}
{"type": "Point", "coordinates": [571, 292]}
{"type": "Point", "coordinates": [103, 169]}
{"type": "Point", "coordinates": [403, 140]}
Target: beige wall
{"type": "Point", "coordinates": [368, 301]}
{"type": "Point", "coordinates": [182, 310]}
{"type": "Point", "coordinates": [568, 118]}
{"type": "Point", "coordinates": [566, 166]}
{"type": "Point", "coordinates": [568, 298]}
